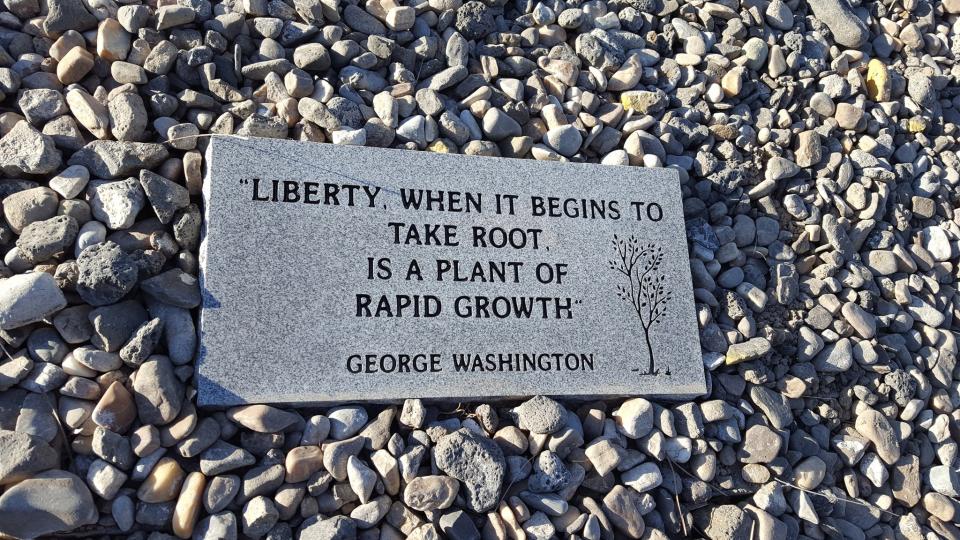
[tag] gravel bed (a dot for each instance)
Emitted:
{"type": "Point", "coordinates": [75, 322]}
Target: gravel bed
{"type": "Point", "coordinates": [816, 142]}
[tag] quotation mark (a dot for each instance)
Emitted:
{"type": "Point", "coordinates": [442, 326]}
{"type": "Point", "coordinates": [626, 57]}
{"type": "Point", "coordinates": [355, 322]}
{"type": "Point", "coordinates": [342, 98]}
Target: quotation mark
{"type": "Point", "coordinates": [244, 181]}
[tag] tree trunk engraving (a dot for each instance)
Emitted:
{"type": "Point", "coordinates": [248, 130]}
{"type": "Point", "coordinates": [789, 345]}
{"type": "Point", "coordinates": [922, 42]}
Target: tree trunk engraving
{"type": "Point", "coordinates": [646, 291]}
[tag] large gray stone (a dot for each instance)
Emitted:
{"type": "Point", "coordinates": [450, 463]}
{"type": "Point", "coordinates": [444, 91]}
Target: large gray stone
{"type": "Point", "coordinates": [23, 455]}
{"type": "Point", "coordinates": [477, 462]}
{"type": "Point", "coordinates": [27, 298]}
{"type": "Point", "coordinates": [113, 159]}
{"type": "Point", "coordinates": [484, 328]}
{"type": "Point", "coordinates": [105, 274]}
{"type": "Point", "coordinates": [334, 528]}
{"type": "Point", "coordinates": [42, 240]}
{"type": "Point", "coordinates": [52, 501]}
{"type": "Point", "coordinates": [157, 391]}
{"type": "Point", "coordinates": [24, 150]}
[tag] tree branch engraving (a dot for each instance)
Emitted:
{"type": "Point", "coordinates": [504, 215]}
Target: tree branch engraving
{"type": "Point", "coordinates": [646, 290]}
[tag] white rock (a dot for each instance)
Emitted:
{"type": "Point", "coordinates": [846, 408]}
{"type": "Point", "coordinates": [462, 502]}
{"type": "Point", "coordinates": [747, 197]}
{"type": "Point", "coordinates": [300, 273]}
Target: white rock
{"type": "Point", "coordinates": [71, 181]}
{"type": "Point", "coordinates": [27, 298]}
{"type": "Point", "coordinates": [936, 241]}
{"type": "Point", "coordinates": [362, 478]}
{"type": "Point", "coordinates": [354, 137]}
{"type": "Point", "coordinates": [643, 477]}
{"type": "Point", "coordinates": [92, 232]}
{"type": "Point", "coordinates": [104, 479]}
{"type": "Point", "coordinates": [874, 469]}
{"type": "Point", "coordinates": [116, 203]}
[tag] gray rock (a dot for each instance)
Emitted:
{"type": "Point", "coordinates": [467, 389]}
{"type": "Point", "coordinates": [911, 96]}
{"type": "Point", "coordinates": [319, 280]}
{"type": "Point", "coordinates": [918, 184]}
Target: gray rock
{"type": "Point", "coordinates": [113, 325]}
{"type": "Point", "coordinates": [157, 391]}
{"type": "Point", "coordinates": [41, 105]}
{"type": "Point", "coordinates": [334, 528]}
{"type": "Point", "coordinates": [727, 522]}
{"type": "Point", "coordinates": [549, 474]}
{"type": "Point", "coordinates": [105, 274]}
{"type": "Point", "coordinates": [165, 196]}
{"type": "Point", "coordinates": [113, 448]}
{"type": "Point", "coordinates": [23, 456]}
{"type": "Point", "coordinates": [477, 462]}
{"type": "Point", "coordinates": [346, 422]}
{"type": "Point", "coordinates": [847, 28]}
{"type": "Point", "coordinates": [122, 510]}
{"type": "Point", "coordinates": [114, 159]}
{"type": "Point", "coordinates": [497, 125]}
{"type": "Point", "coordinates": [259, 516]}
{"type": "Point", "coordinates": [128, 116]}
{"type": "Point", "coordinates": [540, 415]}
{"type": "Point", "coordinates": [760, 445]}
{"type": "Point", "coordinates": [876, 428]}
{"type": "Point", "coordinates": [46, 345]}
{"type": "Point", "coordinates": [566, 140]}
{"type": "Point", "coordinates": [24, 150]}
{"type": "Point", "coordinates": [117, 203]}
{"type": "Point", "coordinates": [337, 453]}
{"type": "Point", "coordinates": [220, 492]}
{"type": "Point", "coordinates": [223, 457]}
{"type": "Point", "coordinates": [945, 480]}
{"type": "Point", "coordinates": [41, 240]}
{"type": "Point", "coordinates": [458, 525]}
{"type": "Point", "coordinates": [773, 405]}
{"type": "Point", "coordinates": [27, 298]}
{"type": "Point", "coordinates": [621, 507]}
{"type": "Point", "coordinates": [361, 21]}
{"type": "Point", "coordinates": [474, 20]}
{"type": "Point", "coordinates": [186, 227]}
{"type": "Point", "coordinates": [835, 357]}
{"type": "Point", "coordinates": [179, 335]}
{"type": "Point", "coordinates": [634, 418]}
{"type": "Point", "coordinates": [142, 343]}
{"type": "Point", "coordinates": [312, 57]}
{"type": "Point", "coordinates": [221, 526]}
{"type": "Point", "coordinates": [51, 501]}
{"type": "Point", "coordinates": [71, 181]}
{"type": "Point", "coordinates": [63, 15]}
{"type": "Point", "coordinates": [173, 287]}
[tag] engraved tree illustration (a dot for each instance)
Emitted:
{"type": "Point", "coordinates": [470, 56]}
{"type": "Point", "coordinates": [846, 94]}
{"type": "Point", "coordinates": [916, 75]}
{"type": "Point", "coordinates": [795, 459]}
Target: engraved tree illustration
{"type": "Point", "coordinates": [646, 292]}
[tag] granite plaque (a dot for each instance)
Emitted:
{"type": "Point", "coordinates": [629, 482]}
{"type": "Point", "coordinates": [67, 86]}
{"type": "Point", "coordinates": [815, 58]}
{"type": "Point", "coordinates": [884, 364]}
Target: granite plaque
{"type": "Point", "coordinates": [336, 273]}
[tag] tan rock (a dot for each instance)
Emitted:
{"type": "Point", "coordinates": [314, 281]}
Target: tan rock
{"type": "Point", "coordinates": [63, 44]}
{"type": "Point", "coordinates": [75, 65]}
{"type": "Point", "coordinates": [163, 483]}
{"type": "Point", "coordinates": [262, 418]}
{"type": "Point", "coordinates": [89, 112]}
{"type": "Point", "coordinates": [176, 431]}
{"type": "Point", "coordinates": [732, 82]}
{"type": "Point", "coordinates": [386, 466]}
{"type": "Point", "coordinates": [848, 115]}
{"type": "Point", "coordinates": [115, 410]}
{"type": "Point", "coordinates": [401, 18]}
{"type": "Point", "coordinates": [430, 492]}
{"type": "Point", "coordinates": [192, 172]}
{"type": "Point", "coordinates": [809, 150]}
{"type": "Point", "coordinates": [810, 472]}
{"type": "Point", "coordinates": [302, 462]}
{"type": "Point", "coordinates": [633, 146]}
{"type": "Point", "coordinates": [188, 505]}
{"type": "Point", "coordinates": [113, 42]}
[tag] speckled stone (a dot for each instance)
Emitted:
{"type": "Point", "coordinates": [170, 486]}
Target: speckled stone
{"type": "Point", "coordinates": [250, 283]}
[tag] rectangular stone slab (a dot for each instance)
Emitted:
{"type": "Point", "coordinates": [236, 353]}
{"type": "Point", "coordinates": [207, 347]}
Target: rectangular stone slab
{"type": "Point", "coordinates": [570, 295]}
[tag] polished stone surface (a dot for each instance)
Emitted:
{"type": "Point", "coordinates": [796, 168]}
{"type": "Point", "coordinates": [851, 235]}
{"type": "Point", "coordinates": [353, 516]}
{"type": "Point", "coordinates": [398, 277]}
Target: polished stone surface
{"type": "Point", "coordinates": [297, 307]}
